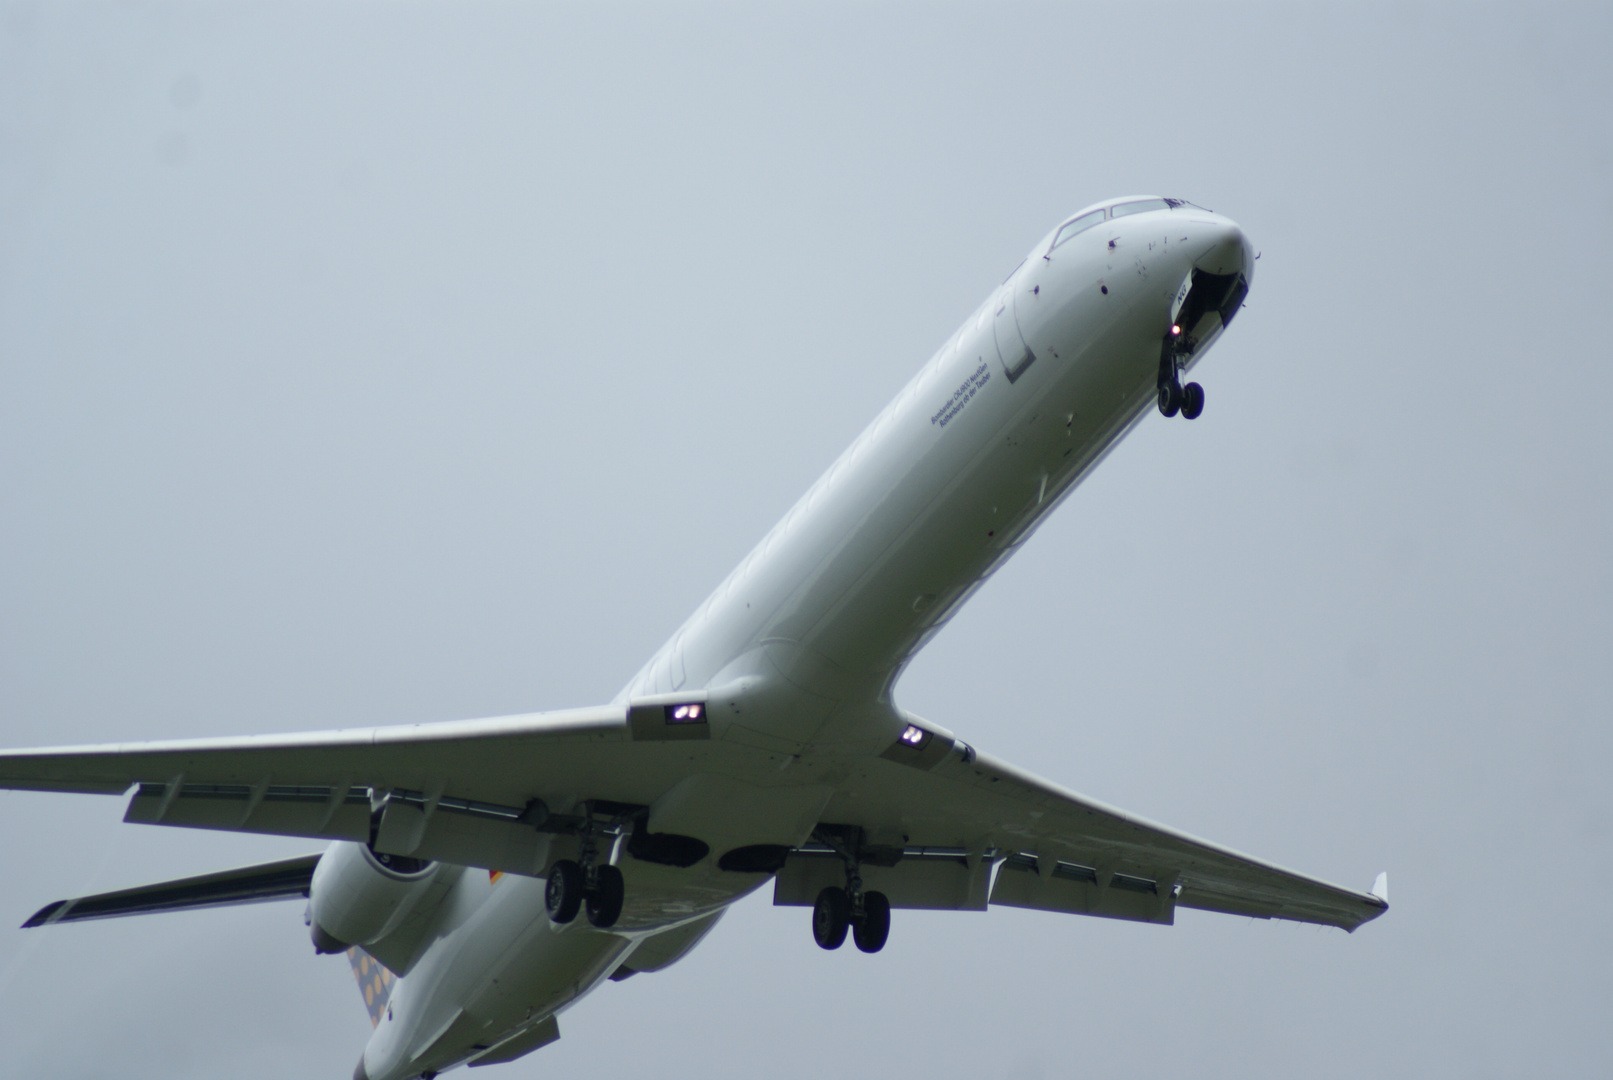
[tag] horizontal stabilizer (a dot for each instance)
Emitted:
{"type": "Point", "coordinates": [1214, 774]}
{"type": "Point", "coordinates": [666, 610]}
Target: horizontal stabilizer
{"type": "Point", "coordinates": [248, 885]}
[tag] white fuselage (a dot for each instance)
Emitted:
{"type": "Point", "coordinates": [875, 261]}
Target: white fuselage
{"type": "Point", "coordinates": [814, 627]}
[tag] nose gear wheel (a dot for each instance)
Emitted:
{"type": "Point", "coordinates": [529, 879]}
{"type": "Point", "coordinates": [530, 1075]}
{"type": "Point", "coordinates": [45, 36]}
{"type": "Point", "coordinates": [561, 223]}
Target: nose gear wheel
{"type": "Point", "coordinates": [1170, 398]}
{"type": "Point", "coordinates": [1175, 398]}
{"type": "Point", "coordinates": [1192, 401]}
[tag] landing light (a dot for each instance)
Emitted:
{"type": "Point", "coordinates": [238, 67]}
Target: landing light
{"type": "Point", "coordinates": [1175, 329]}
{"type": "Point", "coordinates": [693, 713]}
{"type": "Point", "coordinates": [915, 736]}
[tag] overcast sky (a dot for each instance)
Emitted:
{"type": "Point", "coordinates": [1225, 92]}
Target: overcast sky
{"type": "Point", "coordinates": [373, 364]}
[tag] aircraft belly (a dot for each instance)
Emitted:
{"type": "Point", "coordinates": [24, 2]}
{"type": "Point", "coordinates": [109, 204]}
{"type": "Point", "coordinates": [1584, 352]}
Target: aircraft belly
{"type": "Point", "coordinates": [658, 896]}
{"type": "Point", "coordinates": [502, 967]}
{"type": "Point", "coordinates": [512, 968]}
{"type": "Point", "coordinates": [917, 512]}
{"type": "Point", "coordinates": [941, 528]}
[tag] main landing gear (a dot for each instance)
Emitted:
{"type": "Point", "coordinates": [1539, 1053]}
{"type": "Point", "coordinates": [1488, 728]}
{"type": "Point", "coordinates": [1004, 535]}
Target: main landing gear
{"type": "Point", "coordinates": [575, 884]}
{"type": "Point", "coordinates": [866, 914]}
{"type": "Point", "coordinates": [836, 911]}
{"type": "Point", "coordinates": [1173, 396]}
{"type": "Point", "coordinates": [570, 891]}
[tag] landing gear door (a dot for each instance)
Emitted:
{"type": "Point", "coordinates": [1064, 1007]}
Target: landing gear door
{"type": "Point", "coordinates": [1012, 351]}
{"type": "Point", "coordinates": [1181, 296]}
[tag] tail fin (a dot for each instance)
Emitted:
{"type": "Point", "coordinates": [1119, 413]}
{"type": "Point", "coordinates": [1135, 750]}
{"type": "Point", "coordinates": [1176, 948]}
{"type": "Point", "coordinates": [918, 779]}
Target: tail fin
{"type": "Point", "coordinates": [374, 982]}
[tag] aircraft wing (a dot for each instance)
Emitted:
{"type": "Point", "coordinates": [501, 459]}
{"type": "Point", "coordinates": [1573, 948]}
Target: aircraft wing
{"type": "Point", "coordinates": [1060, 851]}
{"type": "Point", "coordinates": [940, 816]}
{"type": "Point", "coordinates": [461, 792]}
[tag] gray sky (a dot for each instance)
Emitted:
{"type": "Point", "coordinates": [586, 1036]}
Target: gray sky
{"type": "Point", "coordinates": [353, 360]}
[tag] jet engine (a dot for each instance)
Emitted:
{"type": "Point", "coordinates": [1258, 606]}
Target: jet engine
{"type": "Point", "coordinates": [358, 897]}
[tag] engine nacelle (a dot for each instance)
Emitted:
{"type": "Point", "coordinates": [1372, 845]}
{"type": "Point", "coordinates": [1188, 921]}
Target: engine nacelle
{"type": "Point", "coordinates": [358, 897]}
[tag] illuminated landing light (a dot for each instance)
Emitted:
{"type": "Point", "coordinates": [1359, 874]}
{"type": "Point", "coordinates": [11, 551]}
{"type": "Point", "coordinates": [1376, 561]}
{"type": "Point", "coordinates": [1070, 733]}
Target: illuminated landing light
{"type": "Point", "coordinates": [1175, 330]}
{"type": "Point", "coordinates": [915, 736]}
{"type": "Point", "coordinates": [693, 713]}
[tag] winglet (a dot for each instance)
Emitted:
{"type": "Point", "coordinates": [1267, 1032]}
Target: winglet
{"type": "Point", "coordinates": [1380, 888]}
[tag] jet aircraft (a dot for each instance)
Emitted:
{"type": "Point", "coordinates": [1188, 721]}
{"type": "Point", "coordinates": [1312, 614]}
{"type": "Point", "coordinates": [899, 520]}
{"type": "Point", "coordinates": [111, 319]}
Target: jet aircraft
{"type": "Point", "coordinates": [484, 875]}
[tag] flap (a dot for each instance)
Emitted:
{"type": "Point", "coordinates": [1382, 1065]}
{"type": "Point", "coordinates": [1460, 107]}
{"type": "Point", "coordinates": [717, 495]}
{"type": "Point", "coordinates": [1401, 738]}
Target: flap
{"type": "Point", "coordinates": [942, 880]}
{"type": "Point", "coordinates": [1080, 890]}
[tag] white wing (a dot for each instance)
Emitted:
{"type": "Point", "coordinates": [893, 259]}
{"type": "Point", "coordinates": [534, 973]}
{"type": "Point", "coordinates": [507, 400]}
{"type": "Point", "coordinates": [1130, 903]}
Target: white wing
{"type": "Point", "coordinates": [1061, 851]}
{"type": "Point", "coordinates": [463, 792]}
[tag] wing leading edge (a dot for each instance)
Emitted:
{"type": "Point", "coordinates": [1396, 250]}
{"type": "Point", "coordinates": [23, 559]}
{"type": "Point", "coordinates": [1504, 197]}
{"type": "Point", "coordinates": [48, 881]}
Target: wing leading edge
{"type": "Point", "coordinates": [460, 791]}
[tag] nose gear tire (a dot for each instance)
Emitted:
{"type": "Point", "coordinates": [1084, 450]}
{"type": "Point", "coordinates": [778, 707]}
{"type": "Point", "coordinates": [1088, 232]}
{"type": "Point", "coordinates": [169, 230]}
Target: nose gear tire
{"type": "Point", "coordinates": [831, 915]}
{"type": "Point", "coordinates": [563, 895]}
{"type": "Point", "coordinates": [605, 899]}
{"type": "Point", "coordinates": [1192, 401]}
{"type": "Point", "coordinates": [1170, 399]}
{"type": "Point", "coordinates": [870, 931]}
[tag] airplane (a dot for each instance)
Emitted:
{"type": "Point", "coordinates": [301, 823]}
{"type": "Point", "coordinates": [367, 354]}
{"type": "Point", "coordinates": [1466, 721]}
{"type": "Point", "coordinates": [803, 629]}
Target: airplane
{"type": "Point", "coordinates": [485, 875]}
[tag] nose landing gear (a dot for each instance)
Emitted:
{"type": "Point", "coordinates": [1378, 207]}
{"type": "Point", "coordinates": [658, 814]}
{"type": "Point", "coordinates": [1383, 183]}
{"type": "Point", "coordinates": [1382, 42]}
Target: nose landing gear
{"type": "Point", "coordinates": [1173, 396]}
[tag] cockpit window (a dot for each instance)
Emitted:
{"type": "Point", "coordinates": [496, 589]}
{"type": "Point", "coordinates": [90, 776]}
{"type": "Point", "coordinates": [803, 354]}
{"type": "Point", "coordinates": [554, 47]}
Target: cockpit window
{"type": "Point", "coordinates": [1142, 206]}
{"type": "Point", "coordinates": [1080, 224]}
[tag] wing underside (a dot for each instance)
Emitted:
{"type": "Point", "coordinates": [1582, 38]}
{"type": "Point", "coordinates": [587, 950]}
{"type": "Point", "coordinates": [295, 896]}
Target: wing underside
{"type": "Point", "coordinates": [946, 827]}
{"type": "Point", "coordinates": [1059, 851]}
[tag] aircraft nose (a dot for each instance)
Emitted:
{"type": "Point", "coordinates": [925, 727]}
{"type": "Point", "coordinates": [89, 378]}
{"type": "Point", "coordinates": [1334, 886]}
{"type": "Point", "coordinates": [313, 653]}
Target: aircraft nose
{"type": "Point", "coordinates": [1226, 249]}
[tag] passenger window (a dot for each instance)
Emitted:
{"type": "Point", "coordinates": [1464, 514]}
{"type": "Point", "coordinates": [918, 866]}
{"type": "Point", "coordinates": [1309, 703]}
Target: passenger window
{"type": "Point", "coordinates": [1080, 224]}
{"type": "Point", "coordinates": [1140, 207]}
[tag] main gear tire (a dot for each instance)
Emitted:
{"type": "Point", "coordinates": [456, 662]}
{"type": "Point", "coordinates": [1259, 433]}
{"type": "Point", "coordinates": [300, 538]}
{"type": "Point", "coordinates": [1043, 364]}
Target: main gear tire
{"type": "Point", "coordinates": [831, 916]}
{"type": "Point", "coordinates": [870, 931]}
{"type": "Point", "coordinates": [605, 899]}
{"type": "Point", "coordinates": [563, 895]}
